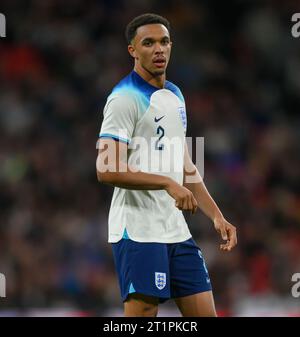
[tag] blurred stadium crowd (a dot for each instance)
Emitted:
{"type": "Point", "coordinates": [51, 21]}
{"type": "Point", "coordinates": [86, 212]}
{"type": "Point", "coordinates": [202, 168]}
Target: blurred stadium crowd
{"type": "Point", "coordinates": [239, 69]}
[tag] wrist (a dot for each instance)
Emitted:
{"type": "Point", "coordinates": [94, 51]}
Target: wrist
{"type": "Point", "coordinates": [167, 182]}
{"type": "Point", "coordinates": [217, 216]}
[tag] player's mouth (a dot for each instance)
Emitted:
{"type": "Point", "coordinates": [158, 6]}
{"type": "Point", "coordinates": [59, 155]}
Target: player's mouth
{"type": "Point", "coordinates": [160, 62]}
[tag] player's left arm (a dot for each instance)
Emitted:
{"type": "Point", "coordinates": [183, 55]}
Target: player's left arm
{"type": "Point", "coordinates": [194, 182]}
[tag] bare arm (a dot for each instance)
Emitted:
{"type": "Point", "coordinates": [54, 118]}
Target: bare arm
{"type": "Point", "coordinates": [207, 204]}
{"type": "Point", "coordinates": [112, 168]}
{"type": "Point", "coordinates": [118, 173]}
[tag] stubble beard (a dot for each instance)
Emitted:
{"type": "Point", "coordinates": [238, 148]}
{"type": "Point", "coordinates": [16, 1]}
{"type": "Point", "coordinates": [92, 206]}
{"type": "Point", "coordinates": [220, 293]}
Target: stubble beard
{"type": "Point", "coordinates": [156, 72]}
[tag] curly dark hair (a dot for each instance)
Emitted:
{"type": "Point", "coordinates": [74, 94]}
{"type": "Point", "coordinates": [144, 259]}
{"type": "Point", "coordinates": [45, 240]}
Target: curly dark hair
{"type": "Point", "coordinates": [142, 20]}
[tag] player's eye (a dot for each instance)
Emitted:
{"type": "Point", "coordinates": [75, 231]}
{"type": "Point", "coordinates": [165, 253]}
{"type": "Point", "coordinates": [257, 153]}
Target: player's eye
{"type": "Point", "coordinates": [147, 43]}
{"type": "Point", "coordinates": [165, 42]}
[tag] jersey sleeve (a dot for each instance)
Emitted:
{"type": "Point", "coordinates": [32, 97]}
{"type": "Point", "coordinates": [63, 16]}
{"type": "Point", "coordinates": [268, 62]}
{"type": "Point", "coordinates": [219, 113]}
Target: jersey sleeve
{"type": "Point", "coordinates": [119, 118]}
{"type": "Point", "coordinates": [182, 109]}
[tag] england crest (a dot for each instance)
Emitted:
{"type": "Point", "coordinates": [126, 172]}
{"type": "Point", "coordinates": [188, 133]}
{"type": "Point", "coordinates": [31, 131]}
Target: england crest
{"type": "Point", "coordinates": [182, 114]}
{"type": "Point", "coordinates": [160, 280]}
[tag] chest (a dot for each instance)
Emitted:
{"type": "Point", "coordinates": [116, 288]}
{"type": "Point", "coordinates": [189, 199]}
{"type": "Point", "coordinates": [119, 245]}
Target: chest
{"type": "Point", "coordinates": [164, 115]}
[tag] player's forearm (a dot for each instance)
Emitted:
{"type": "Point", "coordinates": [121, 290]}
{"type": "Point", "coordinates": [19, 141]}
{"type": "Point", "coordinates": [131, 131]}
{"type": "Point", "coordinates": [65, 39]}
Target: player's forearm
{"type": "Point", "coordinates": [135, 180]}
{"type": "Point", "coordinates": [204, 200]}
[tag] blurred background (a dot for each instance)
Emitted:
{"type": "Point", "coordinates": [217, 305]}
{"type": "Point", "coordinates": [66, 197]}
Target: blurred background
{"type": "Point", "coordinates": [239, 69]}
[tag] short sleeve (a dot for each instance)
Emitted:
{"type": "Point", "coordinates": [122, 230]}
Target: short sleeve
{"type": "Point", "coordinates": [119, 118]}
{"type": "Point", "coordinates": [182, 108]}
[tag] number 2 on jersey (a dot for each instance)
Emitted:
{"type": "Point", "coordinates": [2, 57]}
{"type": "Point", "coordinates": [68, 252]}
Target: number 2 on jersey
{"type": "Point", "coordinates": [160, 130]}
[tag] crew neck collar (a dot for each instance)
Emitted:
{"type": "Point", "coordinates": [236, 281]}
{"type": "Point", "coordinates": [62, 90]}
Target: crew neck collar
{"type": "Point", "coordinates": [144, 82]}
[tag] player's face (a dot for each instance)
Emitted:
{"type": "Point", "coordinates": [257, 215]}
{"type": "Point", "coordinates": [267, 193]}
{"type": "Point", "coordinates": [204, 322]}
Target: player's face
{"type": "Point", "coordinates": [151, 48]}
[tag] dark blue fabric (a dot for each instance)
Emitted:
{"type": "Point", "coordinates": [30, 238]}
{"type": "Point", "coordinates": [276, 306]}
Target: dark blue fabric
{"type": "Point", "coordinates": [182, 263]}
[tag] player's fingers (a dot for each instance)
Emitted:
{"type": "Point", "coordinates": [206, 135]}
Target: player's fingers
{"type": "Point", "coordinates": [191, 205]}
{"type": "Point", "coordinates": [195, 204]}
{"type": "Point", "coordinates": [231, 243]}
{"type": "Point", "coordinates": [225, 246]}
{"type": "Point", "coordinates": [185, 204]}
{"type": "Point", "coordinates": [178, 204]}
{"type": "Point", "coordinates": [223, 232]}
{"type": "Point", "coordinates": [232, 238]}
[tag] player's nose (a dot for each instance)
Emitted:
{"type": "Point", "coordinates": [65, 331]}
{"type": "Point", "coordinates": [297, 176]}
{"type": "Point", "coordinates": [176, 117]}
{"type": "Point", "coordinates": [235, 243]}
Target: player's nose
{"type": "Point", "coordinates": [158, 48]}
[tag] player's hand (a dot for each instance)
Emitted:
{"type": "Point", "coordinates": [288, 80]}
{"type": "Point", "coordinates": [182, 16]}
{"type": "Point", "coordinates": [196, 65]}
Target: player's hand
{"type": "Point", "coordinates": [184, 198]}
{"type": "Point", "coordinates": [228, 233]}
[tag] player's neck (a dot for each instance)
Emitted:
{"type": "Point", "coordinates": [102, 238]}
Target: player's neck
{"type": "Point", "coordinates": [156, 81]}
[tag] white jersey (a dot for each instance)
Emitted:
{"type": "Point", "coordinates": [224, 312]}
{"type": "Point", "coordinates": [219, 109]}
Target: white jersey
{"type": "Point", "coordinates": [136, 110]}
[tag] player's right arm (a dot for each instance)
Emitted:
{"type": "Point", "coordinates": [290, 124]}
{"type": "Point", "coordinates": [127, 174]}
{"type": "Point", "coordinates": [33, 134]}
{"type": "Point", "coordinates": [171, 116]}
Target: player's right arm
{"type": "Point", "coordinates": [113, 169]}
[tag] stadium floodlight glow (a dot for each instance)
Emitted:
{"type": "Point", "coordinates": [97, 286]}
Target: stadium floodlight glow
{"type": "Point", "coordinates": [2, 25]}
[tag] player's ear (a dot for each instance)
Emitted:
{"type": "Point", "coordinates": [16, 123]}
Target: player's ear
{"type": "Point", "coordinates": [132, 51]}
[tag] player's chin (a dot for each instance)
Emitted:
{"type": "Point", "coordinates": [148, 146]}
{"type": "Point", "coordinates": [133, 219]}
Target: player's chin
{"type": "Point", "coordinates": [159, 72]}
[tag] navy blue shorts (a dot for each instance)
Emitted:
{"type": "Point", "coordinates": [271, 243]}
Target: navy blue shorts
{"type": "Point", "coordinates": [162, 270]}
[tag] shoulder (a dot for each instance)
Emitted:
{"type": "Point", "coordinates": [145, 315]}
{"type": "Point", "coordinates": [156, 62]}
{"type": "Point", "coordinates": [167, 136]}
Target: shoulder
{"type": "Point", "coordinates": [127, 91]}
{"type": "Point", "coordinates": [123, 94]}
{"type": "Point", "coordinates": [124, 90]}
{"type": "Point", "coordinates": [175, 89]}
